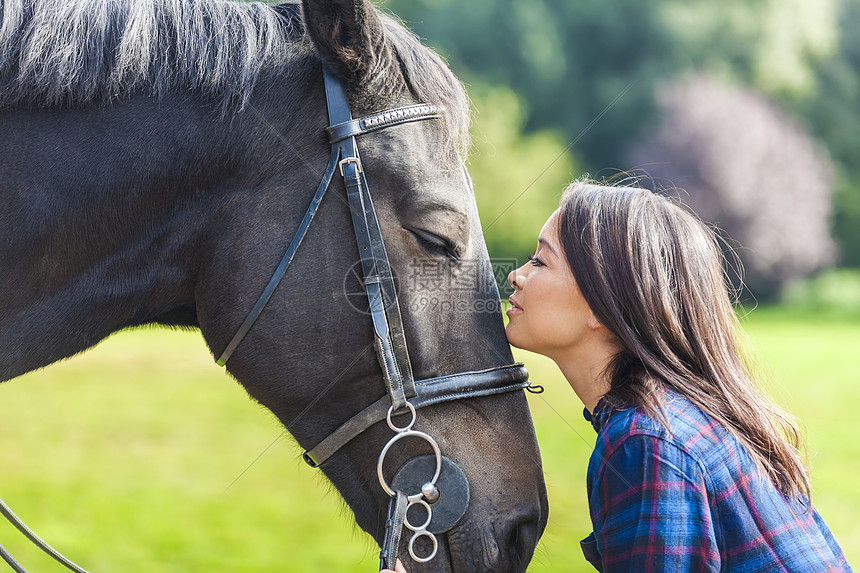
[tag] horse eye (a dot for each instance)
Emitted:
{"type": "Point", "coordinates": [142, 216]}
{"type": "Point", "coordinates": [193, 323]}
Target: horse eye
{"type": "Point", "coordinates": [435, 244]}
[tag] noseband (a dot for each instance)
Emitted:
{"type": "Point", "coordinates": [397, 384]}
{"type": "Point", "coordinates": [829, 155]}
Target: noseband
{"type": "Point", "coordinates": [445, 488]}
{"type": "Point", "coordinates": [403, 392]}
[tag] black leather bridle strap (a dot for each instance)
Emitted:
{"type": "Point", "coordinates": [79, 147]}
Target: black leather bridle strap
{"type": "Point", "coordinates": [390, 340]}
{"type": "Point", "coordinates": [393, 530]}
{"type": "Point", "coordinates": [285, 261]}
{"type": "Point", "coordinates": [428, 392]}
{"type": "Point", "coordinates": [396, 370]}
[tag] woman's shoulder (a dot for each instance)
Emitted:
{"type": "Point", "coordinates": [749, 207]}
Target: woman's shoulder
{"type": "Point", "coordinates": [682, 426]}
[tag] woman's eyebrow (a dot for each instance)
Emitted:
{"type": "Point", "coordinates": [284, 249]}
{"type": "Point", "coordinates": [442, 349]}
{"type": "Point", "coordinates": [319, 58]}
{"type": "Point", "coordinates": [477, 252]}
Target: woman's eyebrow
{"type": "Point", "coordinates": [546, 244]}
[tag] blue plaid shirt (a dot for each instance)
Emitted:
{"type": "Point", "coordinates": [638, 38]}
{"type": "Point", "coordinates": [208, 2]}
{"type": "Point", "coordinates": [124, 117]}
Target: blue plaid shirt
{"type": "Point", "coordinates": [692, 500]}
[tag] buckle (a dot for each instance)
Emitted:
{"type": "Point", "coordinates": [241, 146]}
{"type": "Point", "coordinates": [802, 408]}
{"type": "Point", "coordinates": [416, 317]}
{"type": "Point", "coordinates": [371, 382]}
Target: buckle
{"type": "Point", "coordinates": [347, 161]}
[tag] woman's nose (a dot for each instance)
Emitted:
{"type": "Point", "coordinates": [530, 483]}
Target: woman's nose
{"type": "Point", "coordinates": [512, 278]}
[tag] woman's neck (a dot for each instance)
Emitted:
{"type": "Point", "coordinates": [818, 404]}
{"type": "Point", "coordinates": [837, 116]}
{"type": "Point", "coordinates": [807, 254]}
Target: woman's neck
{"type": "Point", "coordinates": [586, 370]}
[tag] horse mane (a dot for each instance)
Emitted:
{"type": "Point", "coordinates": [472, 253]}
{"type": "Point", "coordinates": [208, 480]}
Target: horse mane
{"type": "Point", "coordinates": [75, 52]}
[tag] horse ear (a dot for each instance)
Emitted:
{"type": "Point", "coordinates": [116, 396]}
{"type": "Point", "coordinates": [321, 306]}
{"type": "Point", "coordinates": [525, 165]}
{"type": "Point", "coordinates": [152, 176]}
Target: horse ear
{"type": "Point", "coordinates": [350, 36]}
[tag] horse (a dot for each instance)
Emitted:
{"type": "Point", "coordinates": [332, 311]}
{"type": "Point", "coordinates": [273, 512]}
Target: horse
{"type": "Point", "coordinates": [156, 158]}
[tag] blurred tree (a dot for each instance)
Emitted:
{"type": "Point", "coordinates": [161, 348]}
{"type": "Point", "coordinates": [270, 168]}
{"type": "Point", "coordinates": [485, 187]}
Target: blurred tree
{"type": "Point", "coordinates": [749, 170]}
{"type": "Point", "coordinates": [772, 45]}
{"type": "Point", "coordinates": [573, 62]}
{"type": "Point", "coordinates": [589, 68]}
{"type": "Point", "coordinates": [518, 178]}
{"type": "Point", "coordinates": [833, 114]}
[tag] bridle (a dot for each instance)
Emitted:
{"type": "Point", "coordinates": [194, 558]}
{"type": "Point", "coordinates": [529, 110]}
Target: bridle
{"type": "Point", "coordinates": [435, 481]}
{"type": "Point", "coordinates": [403, 392]}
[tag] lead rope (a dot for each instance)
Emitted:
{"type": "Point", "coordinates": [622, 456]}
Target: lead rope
{"type": "Point", "coordinates": [11, 561]}
{"type": "Point", "coordinates": [36, 540]}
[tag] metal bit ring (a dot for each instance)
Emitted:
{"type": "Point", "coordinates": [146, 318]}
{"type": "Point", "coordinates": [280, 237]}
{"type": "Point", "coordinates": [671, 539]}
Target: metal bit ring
{"type": "Point", "coordinates": [391, 442]}
{"type": "Point", "coordinates": [405, 428]}
{"type": "Point", "coordinates": [423, 533]}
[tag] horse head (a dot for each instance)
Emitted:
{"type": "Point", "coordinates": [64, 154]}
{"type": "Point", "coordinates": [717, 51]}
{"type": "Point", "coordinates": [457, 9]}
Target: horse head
{"type": "Point", "coordinates": [312, 358]}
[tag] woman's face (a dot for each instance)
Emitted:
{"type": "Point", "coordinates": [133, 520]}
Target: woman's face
{"type": "Point", "coordinates": [548, 313]}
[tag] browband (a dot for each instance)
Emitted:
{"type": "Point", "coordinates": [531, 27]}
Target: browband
{"type": "Point", "coordinates": [430, 391]}
{"type": "Point", "coordinates": [382, 119]}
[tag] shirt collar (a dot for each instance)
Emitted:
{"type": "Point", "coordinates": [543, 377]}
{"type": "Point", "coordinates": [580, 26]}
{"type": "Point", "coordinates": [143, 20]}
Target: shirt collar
{"type": "Point", "coordinates": [599, 416]}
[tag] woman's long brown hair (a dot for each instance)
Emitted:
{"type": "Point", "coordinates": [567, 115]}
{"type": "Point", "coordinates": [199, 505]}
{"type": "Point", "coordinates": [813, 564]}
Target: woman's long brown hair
{"type": "Point", "coordinates": [653, 275]}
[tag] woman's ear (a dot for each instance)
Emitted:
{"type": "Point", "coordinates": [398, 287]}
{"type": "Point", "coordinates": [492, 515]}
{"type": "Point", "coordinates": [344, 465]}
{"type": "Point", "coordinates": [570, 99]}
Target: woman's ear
{"type": "Point", "coordinates": [593, 322]}
{"type": "Point", "coordinates": [350, 37]}
{"type": "Point", "coordinates": [599, 329]}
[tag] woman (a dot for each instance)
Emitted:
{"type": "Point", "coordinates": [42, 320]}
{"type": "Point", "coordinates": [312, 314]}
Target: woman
{"type": "Point", "coordinates": [694, 469]}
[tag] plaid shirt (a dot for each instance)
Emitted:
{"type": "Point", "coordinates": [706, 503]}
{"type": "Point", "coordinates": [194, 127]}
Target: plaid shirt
{"type": "Point", "coordinates": [692, 500]}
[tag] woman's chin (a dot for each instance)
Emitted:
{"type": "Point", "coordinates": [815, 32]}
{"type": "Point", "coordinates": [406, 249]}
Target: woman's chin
{"type": "Point", "coordinates": [512, 338]}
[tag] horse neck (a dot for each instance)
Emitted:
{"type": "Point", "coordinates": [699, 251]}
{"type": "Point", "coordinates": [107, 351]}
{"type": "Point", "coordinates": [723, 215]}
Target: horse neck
{"type": "Point", "coordinates": [103, 214]}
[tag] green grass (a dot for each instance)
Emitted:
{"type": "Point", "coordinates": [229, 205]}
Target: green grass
{"type": "Point", "coordinates": [123, 458]}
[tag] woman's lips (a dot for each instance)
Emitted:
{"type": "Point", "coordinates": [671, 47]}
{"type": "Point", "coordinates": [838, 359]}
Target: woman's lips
{"type": "Point", "coordinates": [514, 308]}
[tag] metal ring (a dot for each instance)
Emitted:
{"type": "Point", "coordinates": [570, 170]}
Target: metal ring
{"type": "Point", "coordinates": [432, 553]}
{"type": "Point", "coordinates": [423, 526]}
{"type": "Point", "coordinates": [397, 428]}
{"type": "Point", "coordinates": [391, 442]}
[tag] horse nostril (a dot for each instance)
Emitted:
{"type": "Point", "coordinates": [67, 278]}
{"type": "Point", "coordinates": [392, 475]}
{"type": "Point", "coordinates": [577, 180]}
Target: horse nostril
{"type": "Point", "coordinates": [523, 540]}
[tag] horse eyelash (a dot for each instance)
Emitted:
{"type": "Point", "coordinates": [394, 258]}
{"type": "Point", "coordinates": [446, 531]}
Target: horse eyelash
{"type": "Point", "coordinates": [442, 247]}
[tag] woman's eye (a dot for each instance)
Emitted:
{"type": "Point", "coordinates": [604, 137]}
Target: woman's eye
{"type": "Point", "coordinates": [534, 260]}
{"type": "Point", "coordinates": [435, 244]}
